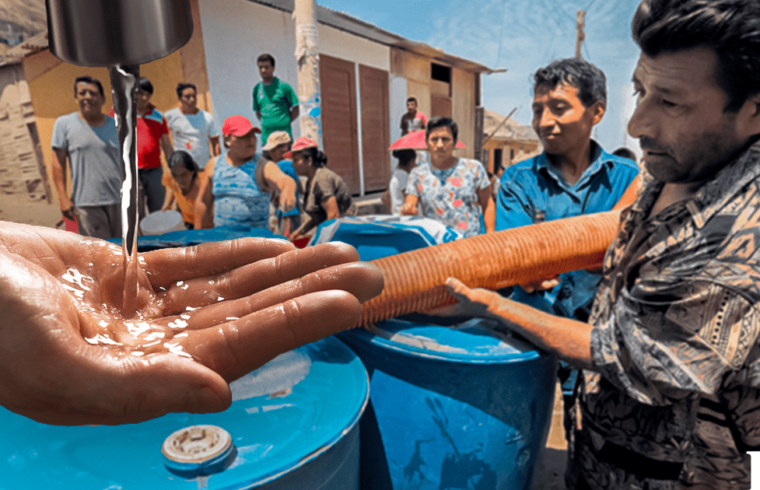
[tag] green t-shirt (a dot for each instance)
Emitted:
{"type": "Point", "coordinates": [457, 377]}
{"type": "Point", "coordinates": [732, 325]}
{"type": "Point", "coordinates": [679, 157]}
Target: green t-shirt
{"type": "Point", "coordinates": [274, 102]}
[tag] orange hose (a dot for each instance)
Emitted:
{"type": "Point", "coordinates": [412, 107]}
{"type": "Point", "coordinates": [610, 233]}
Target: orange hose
{"type": "Point", "coordinates": [414, 281]}
{"type": "Point", "coordinates": [629, 196]}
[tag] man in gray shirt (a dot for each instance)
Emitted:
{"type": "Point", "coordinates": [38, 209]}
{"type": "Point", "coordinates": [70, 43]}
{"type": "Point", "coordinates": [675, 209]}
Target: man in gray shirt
{"type": "Point", "coordinates": [89, 141]}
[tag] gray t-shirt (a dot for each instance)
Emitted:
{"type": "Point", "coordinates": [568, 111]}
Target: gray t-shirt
{"type": "Point", "coordinates": [191, 133]}
{"type": "Point", "coordinates": [94, 159]}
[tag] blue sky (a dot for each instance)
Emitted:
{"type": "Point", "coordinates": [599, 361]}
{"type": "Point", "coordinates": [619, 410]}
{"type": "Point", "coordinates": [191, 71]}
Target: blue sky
{"type": "Point", "coordinates": [521, 36]}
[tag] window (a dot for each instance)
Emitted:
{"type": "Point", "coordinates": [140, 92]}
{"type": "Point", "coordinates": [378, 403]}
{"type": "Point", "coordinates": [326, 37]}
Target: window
{"type": "Point", "coordinates": [440, 73]}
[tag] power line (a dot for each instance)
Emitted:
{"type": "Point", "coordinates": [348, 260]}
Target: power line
{"type": "Point", "coordinates": [559, 6]}
{"type": "Point", "coordinates": [501, 31]}
{"type": "Point", "coordinates": [553, 15]}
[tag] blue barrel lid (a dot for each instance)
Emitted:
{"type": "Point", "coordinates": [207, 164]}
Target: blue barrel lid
{"type": "Point", "coordinates": [283, 415]}
{"type": "Point", "coordinates": [474, 341]}
{"type": "Point", "coordinates": [186, 238]}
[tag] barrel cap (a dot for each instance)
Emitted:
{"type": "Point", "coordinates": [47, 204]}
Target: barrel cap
{"type": "Point", "coordinates": [197, 450]}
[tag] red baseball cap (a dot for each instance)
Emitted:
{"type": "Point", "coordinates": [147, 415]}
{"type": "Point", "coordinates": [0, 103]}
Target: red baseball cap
{"type": "Point", "coordinates": [238, 126]}
{"type": "Point", "coordinates": [300, 144]}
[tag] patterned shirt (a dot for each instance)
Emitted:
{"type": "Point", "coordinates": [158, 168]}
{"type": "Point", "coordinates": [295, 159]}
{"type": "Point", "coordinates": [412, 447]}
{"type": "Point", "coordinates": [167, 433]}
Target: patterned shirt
{"type": "Point", "coordinates": [450, 195]}
{"type": "Point", "coordinates": [676, 399]}
{"type": "Point", "coordinates": [239, 199]}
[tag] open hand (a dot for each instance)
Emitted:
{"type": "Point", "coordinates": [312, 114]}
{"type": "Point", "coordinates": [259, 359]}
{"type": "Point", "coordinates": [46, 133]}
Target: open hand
{"type": "Point", "coordinates": [72, 351]}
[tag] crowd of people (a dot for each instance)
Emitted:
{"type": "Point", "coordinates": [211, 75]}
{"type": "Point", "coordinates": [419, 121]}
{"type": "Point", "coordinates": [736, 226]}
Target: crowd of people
{"type": "Point", "coordinates": [212, 184]}
{"type": "Point", "coordinates": [659, 349]}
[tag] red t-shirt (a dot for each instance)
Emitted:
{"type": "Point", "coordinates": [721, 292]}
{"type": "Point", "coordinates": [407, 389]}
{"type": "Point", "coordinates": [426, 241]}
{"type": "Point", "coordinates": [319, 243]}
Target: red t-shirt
{"type": "Point", "coordinates": [150, 128]}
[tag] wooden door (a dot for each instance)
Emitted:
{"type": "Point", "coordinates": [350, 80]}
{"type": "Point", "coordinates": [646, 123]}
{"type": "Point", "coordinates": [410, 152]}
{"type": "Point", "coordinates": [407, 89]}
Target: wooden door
{"type": "Point", "coordinates": [373, 86]}
{"type": "Point", "coordinates": [440, 106]}
{"type": "Point", "coordinates": [339, 126]}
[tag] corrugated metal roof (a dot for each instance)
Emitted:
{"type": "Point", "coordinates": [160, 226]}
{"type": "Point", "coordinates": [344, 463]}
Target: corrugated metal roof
{"type": "Point", "coordinates": [27, 47]}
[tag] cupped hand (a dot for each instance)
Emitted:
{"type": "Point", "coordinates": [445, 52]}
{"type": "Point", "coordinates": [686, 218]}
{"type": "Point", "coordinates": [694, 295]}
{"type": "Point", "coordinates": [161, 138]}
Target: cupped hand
{"type": "Point", "coordinates": [72, 351]}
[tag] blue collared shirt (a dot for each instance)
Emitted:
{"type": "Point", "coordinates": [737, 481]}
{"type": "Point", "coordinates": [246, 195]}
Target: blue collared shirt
{"type": "Point", "coordinates": [533, 191]}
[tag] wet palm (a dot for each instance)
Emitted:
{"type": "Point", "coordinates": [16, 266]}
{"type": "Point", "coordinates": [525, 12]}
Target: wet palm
{"type": "Point", "coordinates": [71, 352]}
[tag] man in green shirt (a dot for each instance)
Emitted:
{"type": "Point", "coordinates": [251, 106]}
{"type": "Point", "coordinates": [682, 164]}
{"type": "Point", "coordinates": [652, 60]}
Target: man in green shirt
{"type": "Point", "coordinates": [274, 102]}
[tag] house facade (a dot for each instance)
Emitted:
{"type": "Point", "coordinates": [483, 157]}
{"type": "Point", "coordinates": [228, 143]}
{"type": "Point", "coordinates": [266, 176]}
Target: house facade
{"type": "Point", "coordinates": [366, 75]}
{"type": "Point", "coordinates": [506, 143]}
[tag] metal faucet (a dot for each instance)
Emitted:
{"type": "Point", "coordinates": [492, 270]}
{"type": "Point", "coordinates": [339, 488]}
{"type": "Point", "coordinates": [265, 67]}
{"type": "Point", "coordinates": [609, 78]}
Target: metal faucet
{"type": "Point", "coordinates": [117, 32]}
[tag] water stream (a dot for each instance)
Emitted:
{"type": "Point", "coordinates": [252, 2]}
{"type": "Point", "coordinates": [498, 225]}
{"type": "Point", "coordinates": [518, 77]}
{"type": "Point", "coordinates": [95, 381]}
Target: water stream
{"type": "Point", "coordinates": [124, 83]}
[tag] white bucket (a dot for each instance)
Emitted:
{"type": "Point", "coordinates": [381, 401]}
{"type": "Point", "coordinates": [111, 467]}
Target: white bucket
{"type": "Point", "coordinates": [162, 222]}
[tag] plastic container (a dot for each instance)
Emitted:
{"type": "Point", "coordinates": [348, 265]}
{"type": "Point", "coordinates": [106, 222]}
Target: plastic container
{"type": "Point", "coordinates": [467, 407]}
{"type": "Point", "coordinates": [162, 222]}
{"type": "Point", "coordinates": [461, 407]}
{"type": "Point", "coordinates": [293, 424]}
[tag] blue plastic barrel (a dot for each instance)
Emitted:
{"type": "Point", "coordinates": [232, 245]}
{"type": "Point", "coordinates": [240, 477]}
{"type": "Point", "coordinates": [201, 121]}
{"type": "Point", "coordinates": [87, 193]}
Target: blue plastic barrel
{"type": "Point", "coordinates": [451, 408]}
{"type": "Point", "coordinates": [460, 407]}
{"type": "Point", "coordinates": [293, 424]}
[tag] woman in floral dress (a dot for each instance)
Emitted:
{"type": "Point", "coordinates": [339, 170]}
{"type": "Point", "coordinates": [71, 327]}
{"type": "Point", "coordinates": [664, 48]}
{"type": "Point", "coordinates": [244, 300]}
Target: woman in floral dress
{"type": "Point", "coordinates": [455, 191]}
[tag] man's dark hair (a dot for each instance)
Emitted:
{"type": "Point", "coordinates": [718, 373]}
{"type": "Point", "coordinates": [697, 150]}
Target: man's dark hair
{"type": "Point", "coordinates": [145, 85]}
{"type": "Point", "coordinates": [88, 79]}
{"type": "Point", "coordinates": [411, 99]}
{"type": "Point", "coordinates": [182, 86]}
{"type": "Point", "coordinates": [440, 122]}
{"type": "Point", "coordinates": [731, 28]}
{"type": "Point", "coordinates": [584, 76]}
{"type": "Point", "coordinates": [625, 153]}
{"type": "Point", "coordinates": [265, 57]}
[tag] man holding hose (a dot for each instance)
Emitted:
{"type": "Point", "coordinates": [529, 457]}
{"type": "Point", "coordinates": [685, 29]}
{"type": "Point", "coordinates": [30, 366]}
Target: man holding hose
{"type": "Point", "coordinates": [573, 176]}
{"type": "Point", "coordinates": [670, 392]}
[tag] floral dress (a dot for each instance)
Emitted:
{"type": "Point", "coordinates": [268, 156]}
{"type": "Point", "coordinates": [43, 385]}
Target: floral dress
{"type": "Point", "coordinates": [451, 195]}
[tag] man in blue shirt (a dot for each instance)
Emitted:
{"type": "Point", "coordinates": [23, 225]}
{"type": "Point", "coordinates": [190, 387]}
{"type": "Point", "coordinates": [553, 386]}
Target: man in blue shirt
{"type": "Point", "coordinates": [573, 176]}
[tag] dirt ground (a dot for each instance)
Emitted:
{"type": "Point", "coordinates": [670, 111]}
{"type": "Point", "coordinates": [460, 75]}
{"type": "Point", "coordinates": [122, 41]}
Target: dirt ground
{"type": "Point", "coordinates": [550, 470]}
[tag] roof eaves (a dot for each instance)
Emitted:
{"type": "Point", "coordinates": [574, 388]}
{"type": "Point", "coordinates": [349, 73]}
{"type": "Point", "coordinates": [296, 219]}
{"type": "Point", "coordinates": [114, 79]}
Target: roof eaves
{"type": "Point", "coordinates": [352, 25]}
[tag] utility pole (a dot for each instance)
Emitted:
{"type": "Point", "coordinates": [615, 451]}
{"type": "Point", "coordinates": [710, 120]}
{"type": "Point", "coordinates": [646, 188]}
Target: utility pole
{"type": "Point", "coordinates": [580, 35]}
{"type": "Point", "coordinates": [307, 58]}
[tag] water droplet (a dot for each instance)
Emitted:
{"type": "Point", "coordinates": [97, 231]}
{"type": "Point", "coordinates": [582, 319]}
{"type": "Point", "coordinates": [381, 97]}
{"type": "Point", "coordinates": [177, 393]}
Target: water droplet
{"type": "Point", "coordinates": [178, 324]}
